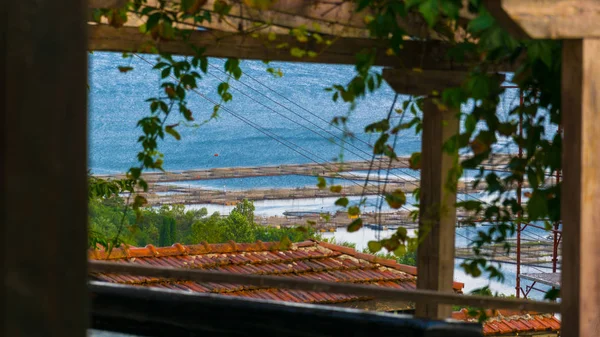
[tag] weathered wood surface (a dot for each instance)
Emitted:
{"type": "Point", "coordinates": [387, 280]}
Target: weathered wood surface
{"type": "Point", "coordinates": [415, 54]}
{"type": "Point", "coordinates": [158, 195]}
{"type": "Point", "coordinates": [418, 82]}
{"type": "Point", "coordinates": [548, 19]}
{"type": "Point", "coordinates": [437, 211]}
{"type": "Point", "coordinates": [338, 18]}
{"type": "Point", "coordinates": [146, 312]}
{"type": "Point", "coordinates": [308, 169]}
{"type": "Point", "coordinates": [580, 290]}
{"type": "Point", "coordinates": [44, 175]}
{"type": "Point", "coordinates": [106, 3]}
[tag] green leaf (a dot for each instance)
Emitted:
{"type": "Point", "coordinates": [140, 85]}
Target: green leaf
{"type": "Point", "coordinates": [355, 225]}
{"type": "Point", "coordinates": [343, 202]}
{"type": "Point", "coordinates": [321, 183]}
{"type": "Point", "coordinates": [353, 211]}
{"type": "Point", "coordinates": [170, 129]}
{"type": "Point", "coordinates": [297, 52]}
{"type": "Point", "coordinates": [396, 199]}
{"type": "Point", "coordinates": [402, 233]}
{"type": "Point", "coordinates": [374, 246]}
{"type": "Point", "coordinates": [415, 161]}
{"type": "Point", "coordinates": [482, 22]}
{"type": "Point", "coordinates": [540, 49]}
{"type": "Point", "coordinates": [400, 251]}
{"type": "Point", "coordinates": [537, 206]}
{"type": "Point", "coordinates": [381, 126]}
{"type": "Point", "coordinates": [165, 72]}
{"type": "Point", "coordinates": [470, 123]}
{"type": "Point", "coordinates": [335, 188]}
{"type": "Point", "coordinates": [552, 294]}
{"type": "Point", "coordinates": [430, 11]}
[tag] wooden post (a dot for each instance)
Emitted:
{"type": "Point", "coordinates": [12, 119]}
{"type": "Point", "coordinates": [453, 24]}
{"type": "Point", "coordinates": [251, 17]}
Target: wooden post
{"type": "Point", "coordinates": [44, 160]}
{"type": "Point", "coordinates": [580, 288]}
{"type": "Point", "coordinates": [437, 218]}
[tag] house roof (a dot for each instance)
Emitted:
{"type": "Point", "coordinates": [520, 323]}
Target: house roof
{"type": "Point", "coordinates": [502, 322]}
{"type": "Point", "coordinates": [310, 260]}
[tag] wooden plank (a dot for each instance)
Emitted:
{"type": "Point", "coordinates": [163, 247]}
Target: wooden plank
{"type": "Point", "coordinates": [419, 82]}
{"type": "Point", "coordinates": [146, 312]}
{"type": "Point", "coordinates": [437, 211]}
{"type": "Point", "coordinates": [580, 290]}
{"type": "Point", "coordinates": [44, 180]}
{"type": "Point", "coordinates": [548, 19]}
{"type": "Point", "coordinates": [415, 54]}
{"type": "Point", "coordinates": [319, 16]}
{"type": "Point", "coordinates": [106, 3]}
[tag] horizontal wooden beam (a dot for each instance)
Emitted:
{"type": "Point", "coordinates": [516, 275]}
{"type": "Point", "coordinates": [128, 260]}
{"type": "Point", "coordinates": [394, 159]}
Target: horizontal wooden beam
{"type": "Point", "coordinates": [330, 287]}
{"type": "Point", "coordinates": [106, 3]}
{"type": "Point", "coordinates": [548, 19]}
{"type": "Point", "coordinates": [415, 54]}
{"type": "Point", "coordinates": [419, 82]}
{"type": "Point", "coordinates": [338, 18]}
{"type": "Point", "coordinates": [143, 311]}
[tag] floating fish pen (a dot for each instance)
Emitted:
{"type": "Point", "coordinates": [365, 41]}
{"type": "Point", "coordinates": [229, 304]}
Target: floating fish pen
{"type": "Point", "coordinates": [303, 213]}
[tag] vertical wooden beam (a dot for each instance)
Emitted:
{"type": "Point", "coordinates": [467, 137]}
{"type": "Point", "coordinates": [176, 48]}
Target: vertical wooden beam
{"type": "Point", "coordinates": [44, 158]}
{"type": "Point", "coordinates": [437, 218]}
{"type": "Point", "coordinates": [580, 288]}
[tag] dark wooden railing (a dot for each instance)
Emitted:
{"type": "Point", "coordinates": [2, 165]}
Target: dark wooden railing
{"type": "Point", "coordinates": [159, 313]}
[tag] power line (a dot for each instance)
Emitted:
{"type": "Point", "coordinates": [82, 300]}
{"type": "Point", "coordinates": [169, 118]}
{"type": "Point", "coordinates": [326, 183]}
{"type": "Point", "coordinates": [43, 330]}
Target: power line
{"type": "Point", "coordinates": [274, 137]}
{"type": "Point", "coordinates": [317, 116]}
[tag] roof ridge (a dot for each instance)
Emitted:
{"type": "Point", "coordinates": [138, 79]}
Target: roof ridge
{"type": "Point", "coordinates": [369, 257]}
{"type": "Point", "coordinates": [177, 249]}
{"type": "Point", "coordinates": [411, 270]}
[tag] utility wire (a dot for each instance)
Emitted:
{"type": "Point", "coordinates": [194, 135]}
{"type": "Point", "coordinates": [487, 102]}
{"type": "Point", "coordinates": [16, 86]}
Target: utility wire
{"type": "Point", "coordinates": [268, 134]}
{"type": "Point", "coordinates": [402, 179]}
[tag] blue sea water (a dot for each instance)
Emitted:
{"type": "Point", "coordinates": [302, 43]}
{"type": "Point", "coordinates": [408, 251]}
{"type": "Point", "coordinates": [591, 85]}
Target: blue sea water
{"type": "Point", "coordinates": [117, 102]}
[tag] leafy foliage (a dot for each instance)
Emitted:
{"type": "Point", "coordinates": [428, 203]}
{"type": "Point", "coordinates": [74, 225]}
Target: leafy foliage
{"type": "Point", "coordinates": [174, 224]}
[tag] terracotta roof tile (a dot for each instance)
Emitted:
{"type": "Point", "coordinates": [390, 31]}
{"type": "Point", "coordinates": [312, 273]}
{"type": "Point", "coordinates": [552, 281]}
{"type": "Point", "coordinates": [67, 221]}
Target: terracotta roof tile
{"type": "Point", "coordinates": [502, 322]}
{"type": "Point", "coordinates": [312, 260]}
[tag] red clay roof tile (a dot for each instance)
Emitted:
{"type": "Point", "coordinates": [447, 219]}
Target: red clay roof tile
{"type": "Point", "coordinates": [510, 322]}
{"type": "Point", "coordinates": [309, 260]}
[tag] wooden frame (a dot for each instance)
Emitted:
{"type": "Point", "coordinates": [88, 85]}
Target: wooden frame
{"type": "Point", "coordinates": [44, 159]}
{"type": "Point", "coordinates": [429, 55]}
{"type": "Point", "coordinates": [46, 291]}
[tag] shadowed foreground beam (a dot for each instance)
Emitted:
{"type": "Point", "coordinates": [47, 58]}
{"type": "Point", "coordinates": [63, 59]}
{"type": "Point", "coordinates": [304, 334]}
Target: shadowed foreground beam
{"type": "Point", "coordinates": [156, 313]}
{"type": "Point", "coordinates": [44, 160]}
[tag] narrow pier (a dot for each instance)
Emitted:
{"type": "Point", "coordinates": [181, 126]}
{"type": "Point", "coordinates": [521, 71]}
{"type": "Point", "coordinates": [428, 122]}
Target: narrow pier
{"type": "Point", "coordinates": [310, 169]}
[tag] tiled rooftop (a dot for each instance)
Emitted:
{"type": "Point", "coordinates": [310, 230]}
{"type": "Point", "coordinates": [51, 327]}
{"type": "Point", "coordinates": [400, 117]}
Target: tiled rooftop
{"type": "Point", "coordinates": [310, 260]}
{"type": "Point", "coordinates": [506, 322]}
